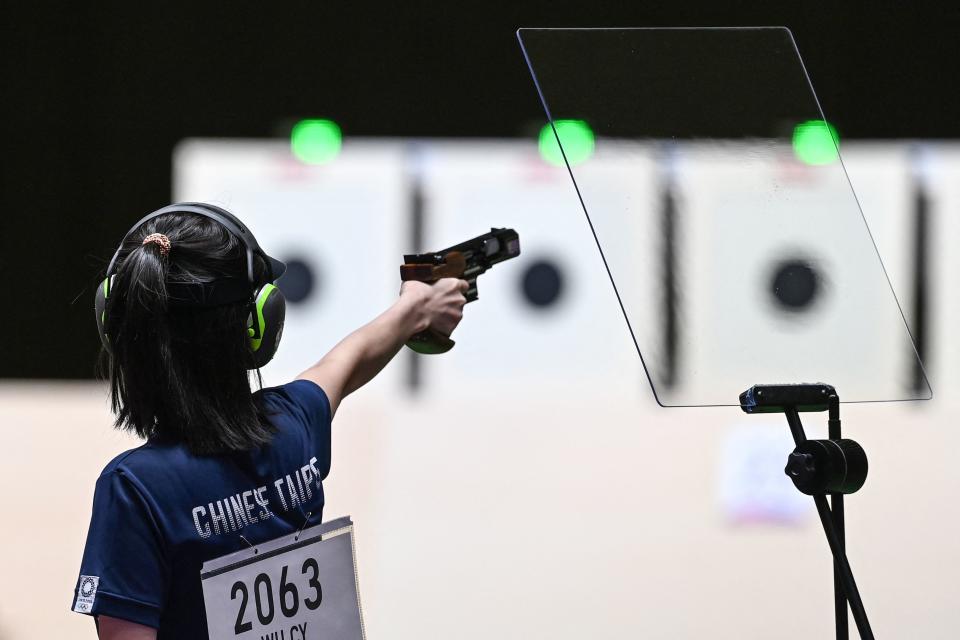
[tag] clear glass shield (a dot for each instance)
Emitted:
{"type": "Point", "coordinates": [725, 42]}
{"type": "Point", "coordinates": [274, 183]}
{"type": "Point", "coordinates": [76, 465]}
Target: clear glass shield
{"type": "Point", "coordinates": [751, 262]}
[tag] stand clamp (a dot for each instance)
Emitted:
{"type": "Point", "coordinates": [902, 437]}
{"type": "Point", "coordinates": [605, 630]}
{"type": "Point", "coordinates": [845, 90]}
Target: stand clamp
{"type": "Point", "coordinates": [817, 467]}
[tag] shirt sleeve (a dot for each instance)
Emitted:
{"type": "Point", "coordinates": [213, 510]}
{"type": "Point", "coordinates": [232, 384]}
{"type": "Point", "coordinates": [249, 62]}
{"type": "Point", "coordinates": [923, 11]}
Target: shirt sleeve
{"type": "Point", "coordinates": [306, 403]}
{"type": "Point", "coordinates": [124, 572]}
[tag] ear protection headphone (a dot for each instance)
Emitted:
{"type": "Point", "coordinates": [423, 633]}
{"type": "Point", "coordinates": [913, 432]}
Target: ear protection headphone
{"type": "Point", "coordinates": [266, 301]}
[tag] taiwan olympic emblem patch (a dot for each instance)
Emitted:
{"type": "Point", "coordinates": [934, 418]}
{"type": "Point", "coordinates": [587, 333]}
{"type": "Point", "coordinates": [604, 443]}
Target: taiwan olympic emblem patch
{"type": "Point", "coordinates": [86, 593]}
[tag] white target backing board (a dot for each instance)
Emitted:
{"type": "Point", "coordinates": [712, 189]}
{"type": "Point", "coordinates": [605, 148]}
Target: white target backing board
{"type": "Point", "coordinates": [752, 225]}
{"type": "Point", "coordinates": [883, 179]}
{"type": "Point", "coordinates": [339, 227]}
{"type": "Point", "coordinates": [549, 316]}
{"type": "Point", "coordinates": [937, 167]}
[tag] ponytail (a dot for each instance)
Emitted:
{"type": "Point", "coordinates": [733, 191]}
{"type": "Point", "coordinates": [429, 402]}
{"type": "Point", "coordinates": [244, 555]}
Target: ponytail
{"type": "Point", "coordinates": [146, 270]}
{"type": "Point", "coordinates": [142, 279]}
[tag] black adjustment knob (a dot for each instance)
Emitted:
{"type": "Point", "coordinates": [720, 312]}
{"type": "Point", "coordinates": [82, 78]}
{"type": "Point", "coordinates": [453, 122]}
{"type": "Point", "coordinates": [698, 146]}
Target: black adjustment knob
{"type": "Point", "coordinates": [802, 469]}
{"type": "Point", "coordinates": [827, 466]}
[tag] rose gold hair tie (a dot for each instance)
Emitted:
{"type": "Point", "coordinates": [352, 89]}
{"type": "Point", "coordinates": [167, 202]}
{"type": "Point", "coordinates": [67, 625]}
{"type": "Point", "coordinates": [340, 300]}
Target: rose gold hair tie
{"type": "Point", "coordinates": [161, 240]}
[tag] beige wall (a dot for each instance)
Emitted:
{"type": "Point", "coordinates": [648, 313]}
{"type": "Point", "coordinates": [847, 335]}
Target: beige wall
{"type": "Point", "coordinates": [562, 513]}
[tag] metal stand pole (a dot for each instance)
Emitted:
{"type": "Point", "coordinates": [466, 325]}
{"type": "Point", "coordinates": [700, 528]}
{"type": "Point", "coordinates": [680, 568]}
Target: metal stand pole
{"type": "Point", "coordinates": [844, 584]}
{"type": "Point", "coordinates": [836, 510]}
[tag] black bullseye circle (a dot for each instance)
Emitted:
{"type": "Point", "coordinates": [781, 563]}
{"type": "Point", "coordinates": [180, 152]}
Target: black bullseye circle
{"type": "Point", "coordinates": [795, 285]}
{"type": "Point", "coordinates": [298, 282]}
{"type": "Point", "coordinates": [542, 284]}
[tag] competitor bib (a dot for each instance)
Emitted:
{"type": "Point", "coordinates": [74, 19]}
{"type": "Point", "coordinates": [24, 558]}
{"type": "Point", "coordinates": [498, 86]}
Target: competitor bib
{"type": "Point", "coordinates": [297, 587]}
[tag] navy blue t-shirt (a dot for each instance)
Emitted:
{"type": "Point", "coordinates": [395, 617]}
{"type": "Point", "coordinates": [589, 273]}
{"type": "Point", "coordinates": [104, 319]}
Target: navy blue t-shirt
{"type": "Point", "coordinates": [159, 512]}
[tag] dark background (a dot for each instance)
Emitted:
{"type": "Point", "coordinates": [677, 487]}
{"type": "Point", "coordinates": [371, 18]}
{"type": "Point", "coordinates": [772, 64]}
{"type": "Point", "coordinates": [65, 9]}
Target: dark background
{"type": "Point", "coordinates": [96, 97]}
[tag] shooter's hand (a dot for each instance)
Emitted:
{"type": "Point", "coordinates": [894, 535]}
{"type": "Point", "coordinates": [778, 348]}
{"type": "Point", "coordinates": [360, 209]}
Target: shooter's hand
{"type": "Point", "coordinates": [440, 304]}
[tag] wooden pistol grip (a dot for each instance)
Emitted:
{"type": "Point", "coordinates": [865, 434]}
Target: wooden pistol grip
{"type": "Point", "coordinates": [420, 272]}
{"type": "Point", "coordinates": [453, 267]}
{"type": "Point", "coordinates": [430, 342]}
{"type": "Point", "coordinates": [455, 264]}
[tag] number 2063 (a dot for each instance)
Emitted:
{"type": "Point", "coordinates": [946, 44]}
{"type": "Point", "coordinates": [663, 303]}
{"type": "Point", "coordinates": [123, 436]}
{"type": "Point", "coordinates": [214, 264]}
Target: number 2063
{"type": "Point", "coordinates": [287, 597]}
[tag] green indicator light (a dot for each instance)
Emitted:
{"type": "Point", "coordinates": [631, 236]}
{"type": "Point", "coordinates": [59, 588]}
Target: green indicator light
{"type": "Point", "coordinates": [577, 139]}
{"type": "Point", "coordinates": [315, 141]}
{"type": "Point", "coordinates": [816, 142]}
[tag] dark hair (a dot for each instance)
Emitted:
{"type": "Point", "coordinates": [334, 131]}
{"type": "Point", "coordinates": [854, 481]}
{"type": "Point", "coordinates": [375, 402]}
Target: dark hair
{"type": "Point", "coordinates": [180, 374]}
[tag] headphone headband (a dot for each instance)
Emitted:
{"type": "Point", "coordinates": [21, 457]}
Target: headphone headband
{"type": "Point", "coordinates": [224, 217]}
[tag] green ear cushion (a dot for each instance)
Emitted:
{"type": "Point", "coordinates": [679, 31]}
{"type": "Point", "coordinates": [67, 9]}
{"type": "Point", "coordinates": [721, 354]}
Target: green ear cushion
{"type": "Point", "coordinates": [100, 309]}
{"type": "Point", "coordinates": [268, 316]}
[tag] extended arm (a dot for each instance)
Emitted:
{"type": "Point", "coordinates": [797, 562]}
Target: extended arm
{"type": "Point", "coordinates": [361, 355]}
